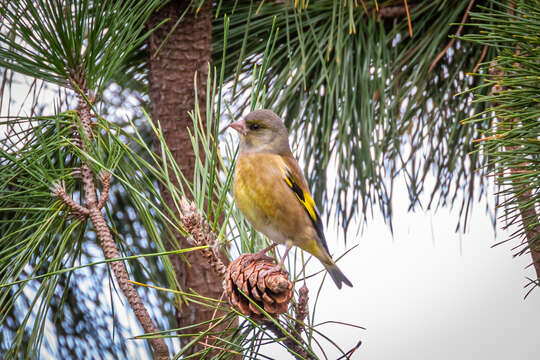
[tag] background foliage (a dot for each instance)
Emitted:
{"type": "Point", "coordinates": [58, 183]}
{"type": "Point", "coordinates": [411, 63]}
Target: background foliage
{"type": "Point", "coordinates": [513, 108]}
{"type": "Point", "coordinates": [356, 88]}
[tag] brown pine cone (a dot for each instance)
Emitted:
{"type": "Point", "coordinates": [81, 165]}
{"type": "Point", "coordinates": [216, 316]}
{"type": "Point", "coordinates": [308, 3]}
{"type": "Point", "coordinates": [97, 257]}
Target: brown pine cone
{"type": "Point", "coordinates": [271, 291]}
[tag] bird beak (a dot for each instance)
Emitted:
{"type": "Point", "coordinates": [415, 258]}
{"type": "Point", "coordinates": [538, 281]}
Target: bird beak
{"type": "Point", "coordinates": [239, 126]}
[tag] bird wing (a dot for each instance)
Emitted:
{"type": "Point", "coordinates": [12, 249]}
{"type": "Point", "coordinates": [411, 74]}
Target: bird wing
{"type": "Point", "coordinates": [296, 181]}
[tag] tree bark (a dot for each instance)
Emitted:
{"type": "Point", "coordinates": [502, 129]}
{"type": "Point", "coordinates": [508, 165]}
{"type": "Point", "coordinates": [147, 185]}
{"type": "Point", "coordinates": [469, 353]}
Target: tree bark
{"type": "Point", "coordinates": [171, 78]}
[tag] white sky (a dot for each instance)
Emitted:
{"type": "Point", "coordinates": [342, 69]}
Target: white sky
{"type": "Point", "coordinates": [419, 298]}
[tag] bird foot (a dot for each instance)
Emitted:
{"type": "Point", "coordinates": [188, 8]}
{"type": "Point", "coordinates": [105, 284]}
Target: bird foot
{"type": "Point", "coordinates": [275, 269]}
{"type": "Point", "coordinates": [259, 255]}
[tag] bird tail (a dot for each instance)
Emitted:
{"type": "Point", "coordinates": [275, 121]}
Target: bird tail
{"type": "Point", "coordinates": [337, 275]}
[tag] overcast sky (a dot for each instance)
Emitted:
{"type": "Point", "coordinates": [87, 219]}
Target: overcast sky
{"type": "Point", "coordinates": [422, 295]}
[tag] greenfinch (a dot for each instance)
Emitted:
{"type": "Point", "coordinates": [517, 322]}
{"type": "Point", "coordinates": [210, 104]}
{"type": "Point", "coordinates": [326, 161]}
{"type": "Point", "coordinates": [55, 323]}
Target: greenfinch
{"type": "Point", "coordinates": [272, 193]}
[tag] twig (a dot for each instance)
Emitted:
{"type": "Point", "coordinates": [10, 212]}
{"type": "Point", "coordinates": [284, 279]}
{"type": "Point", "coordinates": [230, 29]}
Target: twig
{"type": "Point", "coordinates": [105, 178]}
{"type": "Point", "coordinates": [201, 234]}
{"type": "Point", "coordinates": [59, 190]}
{"type": "Point", "coordinates": [451, 43]}
{"type": "Point", "coordinates": [408, 18]}
{"type": "Point", "coordinates": [93, 210]}
{"type": "Point", "coordinates": [350, 352]}
{"type": "Point", "coordinates": [292, 346]}
{"type": "Point", "coordinates": [301, 311]}
{"type": "Point", "coordinates": [481, 58]}
{"type": "Point", "coordinates": [527, 210]}
{"type": "Point", "coordinates": [392, 12]}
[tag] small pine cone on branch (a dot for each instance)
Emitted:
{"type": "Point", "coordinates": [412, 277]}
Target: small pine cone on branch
{"type": "Point", "coordinates": [270, 290]}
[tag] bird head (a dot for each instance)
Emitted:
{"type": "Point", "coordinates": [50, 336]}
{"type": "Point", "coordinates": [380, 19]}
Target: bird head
{"type": "Point", "coordinates": [262, 131]}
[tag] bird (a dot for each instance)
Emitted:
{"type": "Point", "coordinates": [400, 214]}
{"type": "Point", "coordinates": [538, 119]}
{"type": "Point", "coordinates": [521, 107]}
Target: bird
{"type": "Point", "coordinates": [270, 190]}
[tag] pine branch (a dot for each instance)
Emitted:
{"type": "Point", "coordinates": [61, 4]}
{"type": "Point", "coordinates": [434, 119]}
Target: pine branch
{"type": "Point", "coordinates": [293, 344]}
{"type": "Point", "coordinates": [451, 43]}
{"type": "Point", "coordinates": [105, 178]}
{"type": "Point", "coordinates": [93, 210]}
{"type": "Point", "coordinates": [525, 202]}
{"type": "Point", "coordinates": [201, 234]}
{"type": "Point", "coordinates": [301, 309]}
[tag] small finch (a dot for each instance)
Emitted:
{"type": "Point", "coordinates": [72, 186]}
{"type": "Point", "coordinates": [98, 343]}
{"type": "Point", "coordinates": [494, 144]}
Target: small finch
{"type": "Point", "coordinates": [271, 191]}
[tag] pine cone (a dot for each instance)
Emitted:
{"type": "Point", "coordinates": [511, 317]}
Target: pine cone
{"type": "Point", "coordinates": [271, 292]}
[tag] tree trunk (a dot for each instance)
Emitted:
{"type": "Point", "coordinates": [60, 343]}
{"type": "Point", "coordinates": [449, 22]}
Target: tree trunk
{"type": "Point", "coordinates": [171, 78]}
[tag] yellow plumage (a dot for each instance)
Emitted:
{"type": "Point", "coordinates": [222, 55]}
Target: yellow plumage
{"type": "Point", "coordinates": [271, 191]}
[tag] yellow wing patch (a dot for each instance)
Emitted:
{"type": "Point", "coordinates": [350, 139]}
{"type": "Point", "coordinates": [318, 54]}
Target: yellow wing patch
{"type": "Point", "coordinates": [309, 205]}
{"type": "Point", "coordinates": [302, 196]}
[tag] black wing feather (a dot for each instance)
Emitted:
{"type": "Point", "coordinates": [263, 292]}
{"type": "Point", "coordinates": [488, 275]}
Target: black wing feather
{"type": "Point", "coordinates": [316, 221]}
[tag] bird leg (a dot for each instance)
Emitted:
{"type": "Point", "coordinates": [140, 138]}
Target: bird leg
{"type": "Point", "coordinates": [278, 267]}
{"type": "Point", "coordinates": [262, 254]}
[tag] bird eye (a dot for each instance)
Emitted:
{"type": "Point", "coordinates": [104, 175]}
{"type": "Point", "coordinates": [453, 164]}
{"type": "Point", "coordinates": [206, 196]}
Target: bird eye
{"type": "Point", "coordinates": [254, 126]}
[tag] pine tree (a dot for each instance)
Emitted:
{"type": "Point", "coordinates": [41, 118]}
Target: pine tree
{"type": "Point", "coordinates": [384, 90]}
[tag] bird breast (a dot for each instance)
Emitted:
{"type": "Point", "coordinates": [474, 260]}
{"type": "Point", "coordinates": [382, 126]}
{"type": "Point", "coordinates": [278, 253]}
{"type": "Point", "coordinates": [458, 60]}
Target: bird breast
{"type": "Point", "coordinates": [263, 197]}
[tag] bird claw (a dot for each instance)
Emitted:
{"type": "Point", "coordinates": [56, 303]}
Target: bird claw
{"type": "Point", "coordinates": [262, 254]}
{"type": "Point", "coordinates": [276, 269]}
{"type": "Point", "coordinates": [259, 256]}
